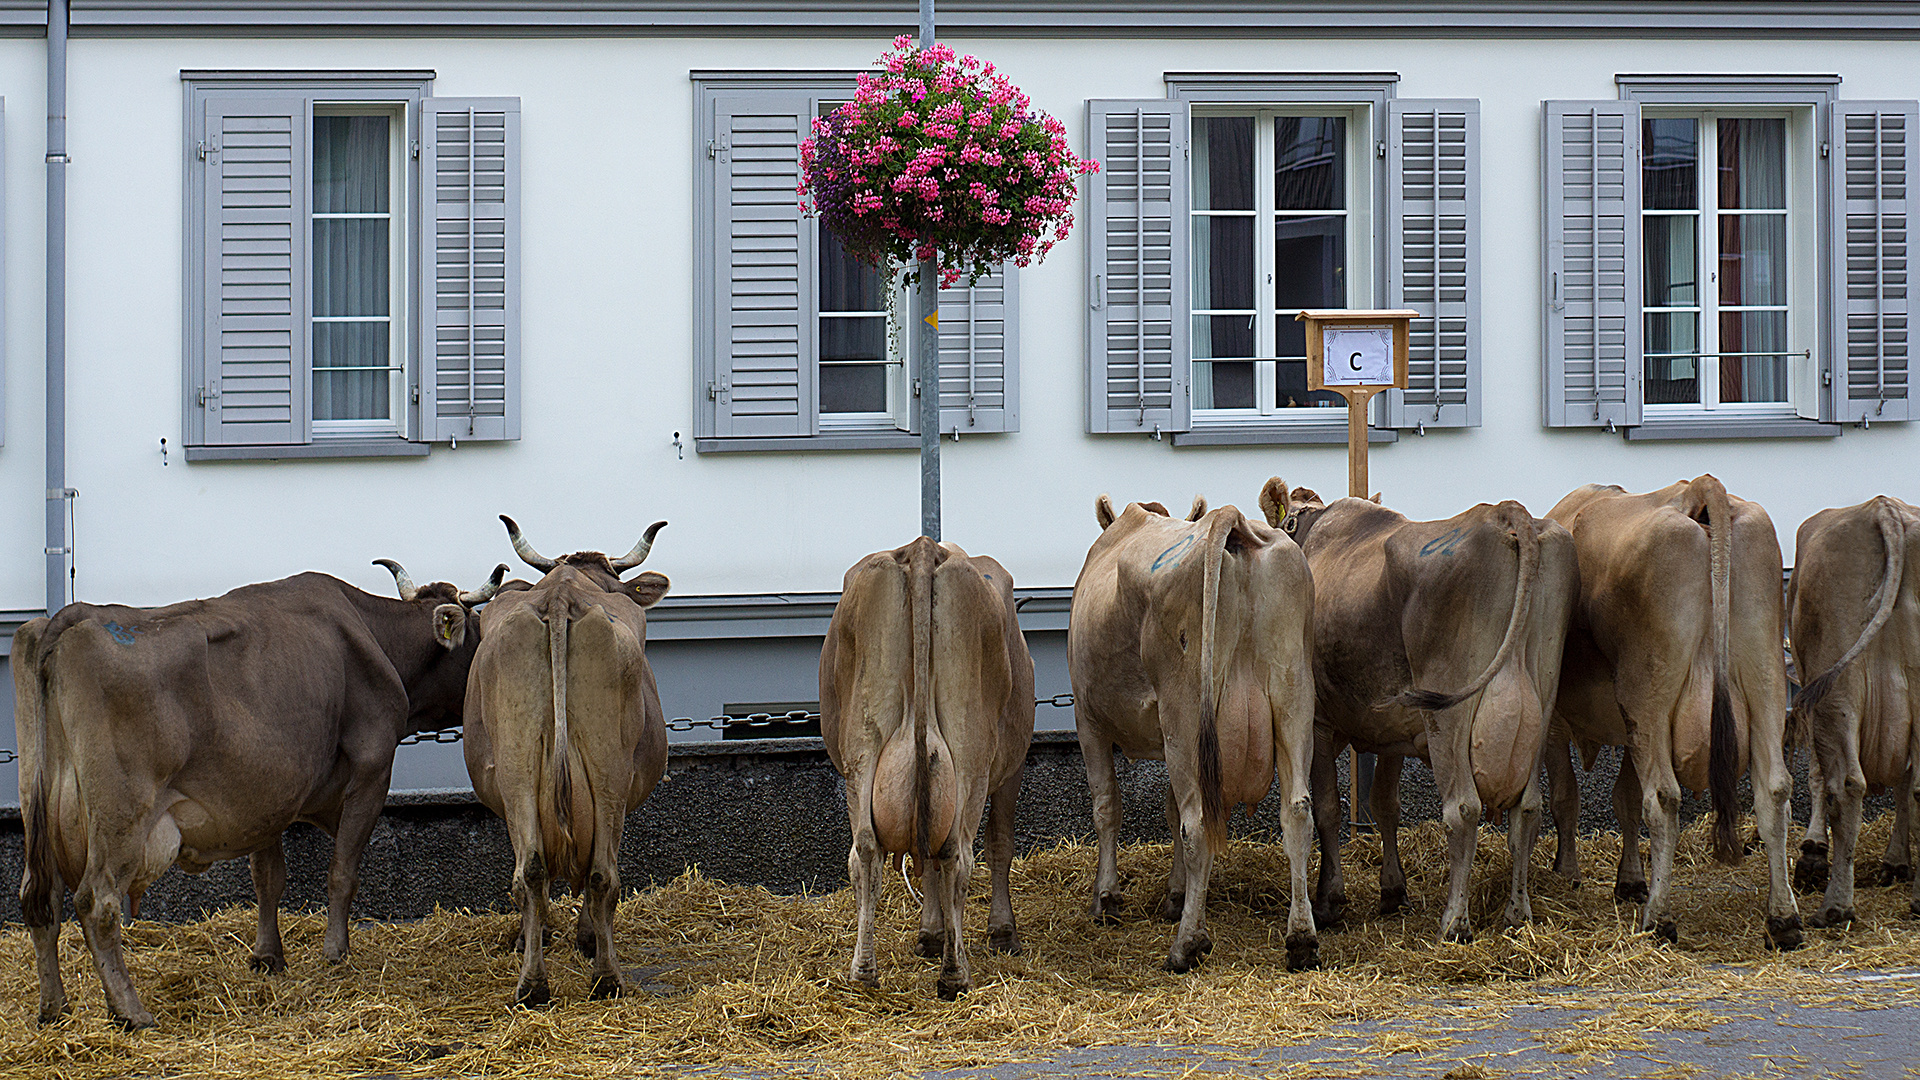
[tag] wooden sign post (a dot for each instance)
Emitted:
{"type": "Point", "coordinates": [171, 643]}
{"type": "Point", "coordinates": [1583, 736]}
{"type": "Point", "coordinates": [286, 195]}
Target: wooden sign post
{"type": "Point", "coordinates": [1356, 354]}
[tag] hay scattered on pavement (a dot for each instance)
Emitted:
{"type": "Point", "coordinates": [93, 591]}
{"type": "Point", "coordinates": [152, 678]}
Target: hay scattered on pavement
{"type": "Point", "coordinates": [743, 979]}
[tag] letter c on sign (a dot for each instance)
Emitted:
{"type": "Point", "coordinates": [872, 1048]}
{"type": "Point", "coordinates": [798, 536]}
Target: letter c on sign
{"type": "Point", "coordinates": [1354, 361]}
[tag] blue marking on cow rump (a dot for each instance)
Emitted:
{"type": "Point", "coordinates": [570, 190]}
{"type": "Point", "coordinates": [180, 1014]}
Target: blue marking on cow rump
{"type": "Point", "coordinates": [122, 634]}
{"type": "Point", "coordinates": [1444, 543]}
{"type": "Point", "coordinates": [1179, 548]}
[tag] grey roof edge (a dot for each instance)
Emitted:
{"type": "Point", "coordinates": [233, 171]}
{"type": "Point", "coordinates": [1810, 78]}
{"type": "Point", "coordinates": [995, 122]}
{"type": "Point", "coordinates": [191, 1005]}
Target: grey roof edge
{"type": "Point", "coordinates": [1079, 18]}
{"type": "Point", "coordinates": [757, 615]}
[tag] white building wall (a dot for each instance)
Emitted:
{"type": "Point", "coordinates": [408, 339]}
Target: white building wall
{"type": "Point", "coordinates": [607, 332]}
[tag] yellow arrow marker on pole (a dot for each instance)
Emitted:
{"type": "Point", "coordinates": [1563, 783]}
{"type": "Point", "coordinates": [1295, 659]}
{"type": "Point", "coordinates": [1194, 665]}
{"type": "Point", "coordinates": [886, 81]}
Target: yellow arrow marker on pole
{"type": "Point", "coordinates": [933, 320]}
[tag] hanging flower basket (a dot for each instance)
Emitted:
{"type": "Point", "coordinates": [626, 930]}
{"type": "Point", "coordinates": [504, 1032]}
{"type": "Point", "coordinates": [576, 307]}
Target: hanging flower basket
{"type": "Point", "coordinates": [940, 156]}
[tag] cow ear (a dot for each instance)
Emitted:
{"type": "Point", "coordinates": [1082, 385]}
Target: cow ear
{"type": "Point", "coordinates": [1275, 501]}
{"type": "Point", "coordinates": [648, 588]}
{"type": "Point", "coordinates": [450, 625]}
{"type": "Point", "coordinates": [1103, 510]}
{"type": "Point", "coordinates": [1199, 508]}
{"type": "Point", "coordinates": [1376, 498]}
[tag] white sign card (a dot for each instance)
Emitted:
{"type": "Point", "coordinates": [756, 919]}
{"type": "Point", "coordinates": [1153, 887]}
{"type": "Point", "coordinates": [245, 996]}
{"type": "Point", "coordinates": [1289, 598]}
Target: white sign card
{"type": "Point", "coordinates": [1357, 355]}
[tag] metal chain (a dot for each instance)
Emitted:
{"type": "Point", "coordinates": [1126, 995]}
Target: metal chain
{"type": "Point", "coordinates": [679, 723]}
{"type": "Point", "coordinates": [8, 757]}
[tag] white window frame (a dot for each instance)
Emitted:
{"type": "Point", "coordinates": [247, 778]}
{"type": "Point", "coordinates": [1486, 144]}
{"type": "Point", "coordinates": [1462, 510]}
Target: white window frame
{"type": "Point", "coordinates": [1802, 272]}
{"type": "Point", "coordinates": [1361, 243]}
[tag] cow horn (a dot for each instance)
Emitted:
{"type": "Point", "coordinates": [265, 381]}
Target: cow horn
{"type": "Point", "coordinates": [525, 550]}
{"type": "Point", "coordinates": [639, 553]}
{"type": "Point", "coordinates": [485, 592]}
{"type": "Point", "coordinates": [401, 579]}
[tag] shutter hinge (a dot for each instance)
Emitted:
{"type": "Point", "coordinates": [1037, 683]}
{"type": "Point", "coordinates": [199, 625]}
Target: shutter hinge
{"type": "Point", "coordinates": [715, 388]}
{"type": "Point", "coordinates": [414, 394]}
{"type": "Point", "coordinates": [202, 148]}
{"type": "Point", "coordinates": [719, 146]}
{"type": "Point", "coordinates": [1380, 149]}
{"type": "Point", "coordinates": [1826, 376]}
{"type": "Point", "coordinates": [1826, 148]}
{"type": "Point", "coordinates": [413, 147]}
{"type": "Point", "coordinates": [205, 393]}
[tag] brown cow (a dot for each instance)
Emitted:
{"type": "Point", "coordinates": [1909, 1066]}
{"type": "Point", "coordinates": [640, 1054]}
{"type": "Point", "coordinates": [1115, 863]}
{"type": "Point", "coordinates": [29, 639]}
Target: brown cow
{"type": "Point", "coordinates": [926, 706]}
{"type": "Point", "coordinates": [200, 731]}
{"type": "Point", "coordinates": [1674, 653]}
{"type": "Point", "coordinates": [565, 736]}
{"type": "Point", "coordinates": [1439, 640]}
{"type": "Point", "coordinates": [1855, 616]}
{"type": "Point", "coordinates": [1191, 642]}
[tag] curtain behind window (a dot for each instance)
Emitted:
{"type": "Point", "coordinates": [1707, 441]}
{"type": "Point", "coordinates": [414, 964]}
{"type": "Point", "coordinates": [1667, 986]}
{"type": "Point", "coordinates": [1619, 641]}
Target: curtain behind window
{"type": "Point", "coordinates": [351, 267]}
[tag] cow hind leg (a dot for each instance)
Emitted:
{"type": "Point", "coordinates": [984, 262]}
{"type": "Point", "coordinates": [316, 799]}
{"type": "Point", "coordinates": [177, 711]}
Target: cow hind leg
{"type": "Point", "coordinates": [1563, 793]}
{"type": "Point", "coordinates": [956, 976]}
{"type": "Point", "coordinates": [1098, 755]}
{"type": "Point", "coordinates": [1846, 788]}
{"type": "Point", "coordinates": [1630, 880]}
{"type": "Point", "coordinates": [931, 941]}
{"type": "Point", "coordinates": [359, 812]}
{"type": "Point", "coordinates": [46, 958]}
{"type": "Point", "coordinates": [1811, 869]}
{"type": "Point", "coordinates": [269, 869]}
{"type": "Point", "coordinates": [1003, 935]}
{"type": "Point", "coordinates": [1660, 803]}
{"type": "Point", "coordinates": [1896, 865]}
{"type": "Point", "coordinates": [864, 868]}
{"type": "Point", "coordinates": [530, 887]}
{"type": "Point", "coordinates": [1385, 801]}
{"type": "Point", "coordinates": [112, 865]}
{"type": "Point", "coordinates": [1460, 808]}
{"type": "Point", "coordinates": [1522, 832]}
{"type": "Point", "coordinates": [1330, 890]}
{"type": "Point", "coordinates": [1190, 939]}
{"type": "Point", "coordinates": [1175, 902]}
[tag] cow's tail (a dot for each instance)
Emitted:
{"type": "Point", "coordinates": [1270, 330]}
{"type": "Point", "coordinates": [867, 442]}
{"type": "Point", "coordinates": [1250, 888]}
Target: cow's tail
{"type": "Point", "coordinates": [1514, 517]}
{"type": "Point", "coordinates": [40, 876]}
{"type": "Point", "coordinates": [1723, 746]}
{"type": "Point", "coordinates": [1893, 540]}
{"type": "Point", "coordinates": [558, 623]}
{"type": "Point", "coordinates": [1213, 808]}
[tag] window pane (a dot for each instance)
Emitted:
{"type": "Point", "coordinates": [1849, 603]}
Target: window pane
{"type": "Point", "coordinates": [350, 266]}
{"type": "Point", "coordinates": [1753, 378]}
{"type": "Point", "coordinates": [1753, 259]}
{"type": "Point", "coordinates": [350, 164]}
{"type": "Point", "coordinates": [846, 283]}
{"type": "Point", "coordinates": [1309, 163]}
{"type": "Point", "coordinates": [1290, 389]}
{"type": "Point", "coordinates": [1222, 162]}
{"type": "Point", "coordinates": [1230, 385]}
{"type": "Point", "coordinates": [351, 394]}
{"type": "Point", "coordinates": [1672, 380]}
{"type": "Point", "coordinates": [1672, 259]}
{"type": "Point", "coordinates": [1753, 164]}
{"type": "Point", "coordinates": [1670, 156]}
{"type": "Point", "coordinates": [1226, 336]}
{"type": "Point", "coordinates": [846, 388]}
{"type": "Point", "coordinates": [1223, 263]}
{"type": "Point", "coordinates": [853, 338]}
{"type": "Point", "coordinates": [1309, 271]}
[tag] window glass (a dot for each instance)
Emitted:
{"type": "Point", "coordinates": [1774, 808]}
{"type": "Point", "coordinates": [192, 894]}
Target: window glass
{"type": "Point", "coordinates": [853, 332]}
{"type": "Point", "coordinates": [353, 355]}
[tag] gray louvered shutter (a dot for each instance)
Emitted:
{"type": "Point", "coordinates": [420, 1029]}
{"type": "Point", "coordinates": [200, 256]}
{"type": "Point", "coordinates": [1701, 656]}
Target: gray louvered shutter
{"type": "Point", "coordinates": [1591, 154]}
{"type": "Point", "coordinates": [1875, 163]}
{"type": "Point", "coordinates": [470, 288]}
{"type": "Point", "coordinates": [764, 265]}
{"type": "Point", "coordinates": [979, 354]}
{"type": "Point", "coordinates": [1433, 253]}
{"type": "Point", "coordinates": [251, 386]}
{"type": "Point", "coordinates": [1138, 334]}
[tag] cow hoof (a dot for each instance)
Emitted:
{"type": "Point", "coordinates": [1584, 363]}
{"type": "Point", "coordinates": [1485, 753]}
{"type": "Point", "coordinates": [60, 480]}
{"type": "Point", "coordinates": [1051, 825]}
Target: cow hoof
{"type": "Point", "coordinates": [1826, 917]}
{"type": "Point", "coordinates": [1303, 952]}
{"type": "Point", "coordinates": [869, 978]}
{"type": "Point", "coordinates": [1329, 918]}
{"type": "Point", "coordinates": [56, 1012]}
{"type": "Point", "coordinates": [272, 965]}
{"type": "Point", "coordinates": [532, 995]}
{"type": "Point", "coordinates": [1568, 869]}
{"type": "Point", "coordinates": [1393, 899]}
{"type": "Point", "coordinates": [1630, 892]}
{"type": "Point", "coordinates": [1784, 934]}
{"type": "Point", "coordinates": [950, 989]}
{"type": "Point", "coordinates": [604, 987]}
{"type": "Point", "coordinates": [1172, 907]}
{"type": "Point", "coordinates": [1461, 934]}
{"type": "Point", "coordinates": [1665, 931]}
{"type": "Point", "coordinates": [1810, 870]}
{"type": "Point", "coordinates": [1891, 875]}
{"type": "Point", "coordinates": [1182, 961]}
{"type": "Point", "coordinates": [1913, 910]}
{"type": "Point", "coordinates": [135, 1021]}
{"type": "Point", "coordinates": [1004, 939]}
{"type": "Point", "coordinates": [1106, 907]}
{"type": "Point", "coordinates": [929, 944]}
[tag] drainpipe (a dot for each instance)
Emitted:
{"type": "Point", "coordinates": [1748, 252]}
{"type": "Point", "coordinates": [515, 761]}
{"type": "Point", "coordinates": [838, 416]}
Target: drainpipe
{"type": "Point", "coordinates": [59, 546]}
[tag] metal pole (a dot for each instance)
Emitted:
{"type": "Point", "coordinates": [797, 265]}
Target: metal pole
{"type": "Point", "coordinates": [929, 379]}
{"type": "Point", "coordinates": [58, 546]}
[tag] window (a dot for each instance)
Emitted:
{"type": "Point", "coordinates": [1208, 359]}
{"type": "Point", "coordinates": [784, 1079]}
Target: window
{"type": "Point", "coordinates": [1700, 281]}
{"type": "Point", "coordinates": [798, 345]}
{"type": "Point", "coordinates": [353, 246]}
{"type": "Point", "coordinates": [1223, 211]}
